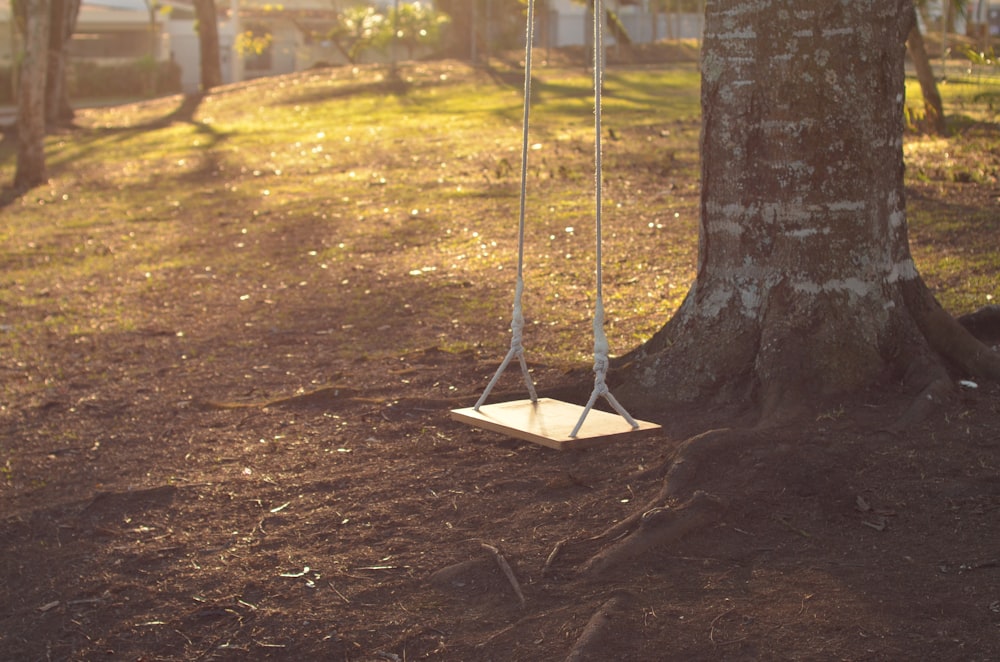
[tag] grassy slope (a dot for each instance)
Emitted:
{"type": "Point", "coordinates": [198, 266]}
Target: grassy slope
{"type": "Point", "coordinates": [336, 181]}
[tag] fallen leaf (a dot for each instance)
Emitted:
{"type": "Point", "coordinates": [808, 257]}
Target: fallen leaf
{"type": "Point", "coordinates": [877, 523]}
{"type": "Point", "coordinates": [295, 575]}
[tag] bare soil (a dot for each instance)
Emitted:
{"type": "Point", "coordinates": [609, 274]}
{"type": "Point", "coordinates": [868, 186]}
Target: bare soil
{"type": "Point", "coordinates": [147, 521]}
{"type": "Point", "coordinates": [230, 483]}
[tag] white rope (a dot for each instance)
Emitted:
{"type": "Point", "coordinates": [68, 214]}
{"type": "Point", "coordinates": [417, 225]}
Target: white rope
{"type": "Point", "coordinates": [517, 318]}
{"type": "Point", "coordinates": [601, 346]}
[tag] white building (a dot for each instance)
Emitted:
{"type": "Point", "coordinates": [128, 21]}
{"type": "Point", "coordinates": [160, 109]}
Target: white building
{"type": "Point", "coordinates": [570, 23]}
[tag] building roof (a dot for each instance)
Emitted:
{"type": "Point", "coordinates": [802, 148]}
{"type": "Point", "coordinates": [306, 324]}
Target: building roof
{"type": "Point", "coordinates": [100, 11]}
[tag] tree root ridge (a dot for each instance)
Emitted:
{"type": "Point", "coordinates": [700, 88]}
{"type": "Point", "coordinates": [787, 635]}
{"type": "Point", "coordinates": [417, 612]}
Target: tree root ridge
{"type": "Point", "coordinates": [589, 645]}
{"type": "Point", "coordinates": [983, 324]}
{"type": "Point", "coordinates": [667, 516]}
{"type": "Point", "coordinates": [799, 352]}
{"type": "Point", "coordinates": [933, 396]}
{"type": "Point", "coordinates": [657, 528]}
{"type": "Point", "coordinates": [680, 473]}
{"type": "Point", "coordinates": [949, 337]}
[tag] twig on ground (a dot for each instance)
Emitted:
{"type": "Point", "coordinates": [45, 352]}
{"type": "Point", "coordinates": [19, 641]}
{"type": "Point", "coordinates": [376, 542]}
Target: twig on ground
{"type": "Point", "coordinates": [711, 627]}
{"type": "Point", "coordinates": [341, 595]}
{"type": "Point", "coordinates": [552, 557]}
{"type": "Point", "coordinates": [791, 527]}
{"type": "Point", "coordinates": [505, 567]}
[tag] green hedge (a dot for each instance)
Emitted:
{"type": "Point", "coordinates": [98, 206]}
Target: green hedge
{"type": "Point", "coordinates": [87, 80]}
{"type": "Point", "coordinates": [90, 80]}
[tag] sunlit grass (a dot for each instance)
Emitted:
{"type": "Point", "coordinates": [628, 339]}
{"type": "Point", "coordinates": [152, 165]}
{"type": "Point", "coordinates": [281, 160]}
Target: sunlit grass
{"type": "Point", "coordinates": [346, 198]}
{"type": "Point", "coordinates": [963, 100]}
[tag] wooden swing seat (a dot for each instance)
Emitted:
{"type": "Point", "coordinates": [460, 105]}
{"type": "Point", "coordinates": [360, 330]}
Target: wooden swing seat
{"type": "Point", "coordinates": [549, 422]}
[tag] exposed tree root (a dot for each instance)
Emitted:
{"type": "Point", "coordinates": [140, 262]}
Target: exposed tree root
{"type": "Point", "coordinates": [935, 389]}
{"type": "Point", "coordinates": [660, 521]}
{"type": "Point", "coordinates": [984, 324]}
{"type": "Point", "coordinates": [590, 644]}
{"type": "Point", "coordinates": [657, 528]}
{"type": "Point", "coordinates": [681, 473]}
{"type": "Point", "coordinates": [950, 338]}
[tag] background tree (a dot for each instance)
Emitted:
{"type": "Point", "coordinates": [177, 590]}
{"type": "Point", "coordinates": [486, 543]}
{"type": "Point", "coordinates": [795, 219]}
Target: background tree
{"type": "Point", "coordinates": [35, 17]}
{"type": "Point", "coordinates": [255, 40]}
{"type": "Point", "coordinates": [149, 62]}
{"type": "Point", "coordinates": [461, 13]}
{"type": "Point", "coordinates": [613, 24]}
{"type": "Point", "coordinates": [933, 107]}
{"type": "Point", "coordinates": [952, 10]}
{"type": "Point", "coordinates": [415, 25]}
{"type": "Point", "coordinates": [481, 25]}
{"type": "Point", "coordinates": [207, 25]}
{"type": "Point", "coordinates": [63, 24]}
{"type": "Point", "coordinates": [805, 285]}
{"type": "Point", "coordinates": [356, 31]}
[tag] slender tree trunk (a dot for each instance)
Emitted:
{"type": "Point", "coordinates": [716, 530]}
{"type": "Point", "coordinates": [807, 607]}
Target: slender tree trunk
{"type": "Point", "coordinates": [63, 23]}
{"type": "Point", "coordinates": [933, 108]}
{"type": "Point", "coordinates": [805, 285]}
{"type": "Point", "coordinates": [208, 41]}
{"type": "Point", "coordinates": [462, 26]}
{"type": "Point", "coordinates": [152, 7]}
{"type": "Point", "coordinates": [30, 170]}
{"type": "Point", "coordinates": [17, 27]}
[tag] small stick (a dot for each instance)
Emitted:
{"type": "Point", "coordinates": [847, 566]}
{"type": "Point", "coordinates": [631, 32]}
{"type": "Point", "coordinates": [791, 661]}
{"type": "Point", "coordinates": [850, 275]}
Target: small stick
{"type": "Point", "coordinates": [552, 557]}
{"type": "Point", "coordinates": [791, 527]}
{"type": "Point", "coordinates": [342, 597]}
{"type": "Point", "coordinates": [502, 562]}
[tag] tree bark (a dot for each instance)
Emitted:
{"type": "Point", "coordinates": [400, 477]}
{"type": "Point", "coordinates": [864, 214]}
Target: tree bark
{"type": "Point", "coordinates": [30, 170]}
{"type": "Point", "coordinates": [949, 16]}
{"type": "Point", "coordinates": [805, 284]}
{"type": "Point", "coordinates": [933, 108]}
{"type": "Point", "coordinates": [208, 41]}
{"type": "Point", "coordinates": [63, 23]}
{"type": "Point", "coordinates": [461, 13]}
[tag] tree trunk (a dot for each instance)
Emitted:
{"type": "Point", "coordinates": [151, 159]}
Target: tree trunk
{"type": "Point", "coordinates": [208, 42]}
{"type": "Point", "coordinates": [63, 23]}
{"type": "Point", "coordinates": [462, 25]}
{"type": "Point", "coordinates": [150, 82]}
{"type": "Point", "coordinates": [933, 108]}
{"type": "Point", "coordinates": [805, 285]}
{"type": "Point", "coordinates": [30, 170]}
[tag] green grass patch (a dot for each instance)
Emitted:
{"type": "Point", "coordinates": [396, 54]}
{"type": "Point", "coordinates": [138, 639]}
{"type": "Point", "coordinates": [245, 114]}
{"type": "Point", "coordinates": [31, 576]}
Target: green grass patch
{"type": "Point", "coordinates": [343, 200]}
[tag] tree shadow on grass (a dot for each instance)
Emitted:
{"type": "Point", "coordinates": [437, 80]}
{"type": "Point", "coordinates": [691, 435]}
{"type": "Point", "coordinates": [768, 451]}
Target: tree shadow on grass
{"type": "Point", "coordinates": [184, 113]}
{"type": "Point", "coordinates": [395, 85]}
{"type": "Point", "coordinates": [388, 86]}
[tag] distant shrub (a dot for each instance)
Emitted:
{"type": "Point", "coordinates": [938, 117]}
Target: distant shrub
{"type": "Point", "coordinates": [89, 80]}
{"type": "Point", "coordinates": [92, 80]}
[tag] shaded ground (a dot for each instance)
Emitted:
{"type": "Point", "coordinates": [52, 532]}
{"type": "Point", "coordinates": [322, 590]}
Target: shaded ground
{"type": "Point", "coordinates": [144, 526]}
{"type": "Point", "coordinates": [254, 480]}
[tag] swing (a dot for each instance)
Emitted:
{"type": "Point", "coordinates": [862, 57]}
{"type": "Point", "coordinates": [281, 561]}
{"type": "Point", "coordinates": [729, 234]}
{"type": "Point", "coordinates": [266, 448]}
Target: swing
{"type": "Point", "coordinates": [553, 423]}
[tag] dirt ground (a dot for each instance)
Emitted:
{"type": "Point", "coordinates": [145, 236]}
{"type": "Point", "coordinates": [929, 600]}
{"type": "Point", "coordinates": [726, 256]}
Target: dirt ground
{"type": "Point", "coordinates": [146, 520]}
{"type": "Point", "coordinates": [230, 483]}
